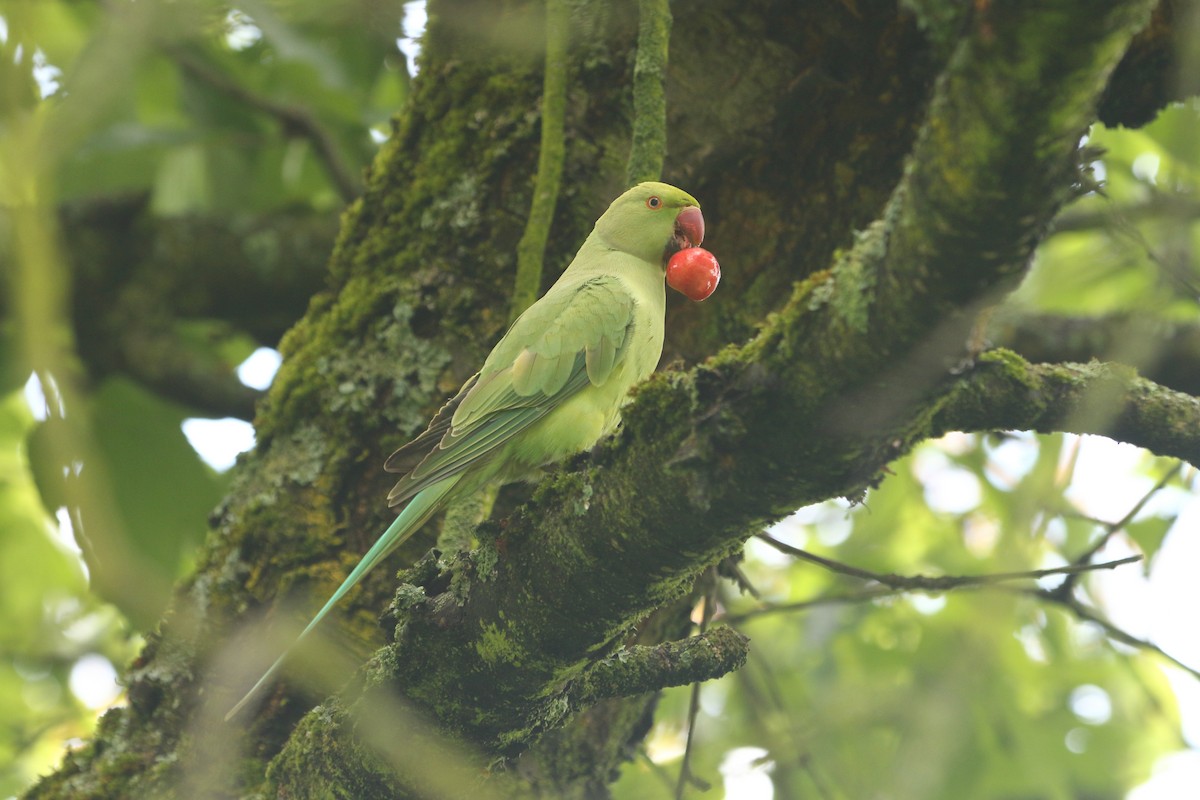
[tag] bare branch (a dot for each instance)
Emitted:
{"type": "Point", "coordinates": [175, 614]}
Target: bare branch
{"type": "Point", "coordinates": [1113, 527]}
{"type": "Point", "coordinates": [1156, 206]}
{"type": "Point", "coordinates": [938, 583]}
{"type": "Point", "coordinates": [138, 280]}
{"type": "Point", "coordinates": [158, 359]}
{"type": "Point", "coordinates": [1087, 614]}
{"type": "Point", "coordinates": [848, 598]}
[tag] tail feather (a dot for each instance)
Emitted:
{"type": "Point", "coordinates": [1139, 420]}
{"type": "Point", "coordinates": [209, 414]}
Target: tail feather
{"type": "Point", "coordinates": [414, 515]}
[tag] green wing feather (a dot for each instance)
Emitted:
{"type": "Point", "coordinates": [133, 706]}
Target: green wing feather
{"type": "Point", "coordinates": [410, 455]}
{"type": "Point", "coordinates": [570, 339]}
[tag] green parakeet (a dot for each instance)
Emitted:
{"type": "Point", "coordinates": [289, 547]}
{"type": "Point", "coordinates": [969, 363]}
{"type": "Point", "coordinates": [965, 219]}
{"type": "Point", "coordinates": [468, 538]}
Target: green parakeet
{"type": "Point", "coordinates": [555, 383]}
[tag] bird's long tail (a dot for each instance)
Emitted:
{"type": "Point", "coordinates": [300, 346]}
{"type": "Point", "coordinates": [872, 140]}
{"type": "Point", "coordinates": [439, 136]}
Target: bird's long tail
{"type": "Point", "coordinates": [414, 515]}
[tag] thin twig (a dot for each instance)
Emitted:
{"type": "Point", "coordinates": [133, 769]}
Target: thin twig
{"type": "Point", "coordinates": [685, 771]}
{"type": "Point", "coordinates": [741, 580]}
{"type": "Point", "coordinates": [803, 605]}
{"type": "Point", "coordinates": [1157, 206]}
{"type": "Point", "coordinates": [1088, 614]}
{"type": "Point", "coordinates": [939, 583]}
{"type": "Point", "coordinates": [895, 584]}
{"type": "Point", "coordinates": [1076, 514]}
{"type": "Point", "coordinates": [1113, 527]}
{"type": "Point", "coordinates": [656, 768]}
{"type": "Point", "coordinates": [782, 729]}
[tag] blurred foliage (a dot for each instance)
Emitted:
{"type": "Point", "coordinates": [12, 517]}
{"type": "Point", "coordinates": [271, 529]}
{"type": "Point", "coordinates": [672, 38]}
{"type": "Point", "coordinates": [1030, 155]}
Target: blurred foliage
{"type": "Point", "coordinates": [161, 489]}
{"type": "Point", "coordinates": [1129, 244]}
{"type": "Point", "coordinates": [983, 693]}
{"type": "Point", "coordinates": [201, 109]}
{"type": "Point", "coordinates": [51, 621]}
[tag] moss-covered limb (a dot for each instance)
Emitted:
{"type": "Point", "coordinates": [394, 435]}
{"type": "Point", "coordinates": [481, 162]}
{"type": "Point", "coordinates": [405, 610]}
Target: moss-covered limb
{"type": "Point", "coordinates": [582, 758]}
{"type": "Point", "coordinates": [1005, 392]}
{"type": "Point", "coordinates": [649, 93]}
{"type": "Point", "coordinates": [1162, 351]}
{"type": "Point", "coordinates": [639, 669]}
{"type": "Point", "coordinates": [532, 248]}
{"type": "Point", "coordinates": [579, 760]}
{"type": "Point", "coordinates": [995, 160]}
{"type": "Point", "coordinates": [445, 691]}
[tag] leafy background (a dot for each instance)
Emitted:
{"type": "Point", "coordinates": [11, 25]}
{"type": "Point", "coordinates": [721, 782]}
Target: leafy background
{"type": "Point", "coordinates": [991, 691]}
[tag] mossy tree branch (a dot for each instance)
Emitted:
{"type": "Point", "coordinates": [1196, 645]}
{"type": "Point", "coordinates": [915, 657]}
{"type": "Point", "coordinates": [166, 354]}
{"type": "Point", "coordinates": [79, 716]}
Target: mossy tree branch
{"type": "Point", "coordinates": [1166, 352]}
{"type": "Point", "coordinates": [1005, 392]}
{"type": "Point", "coordinates": [641, 669]}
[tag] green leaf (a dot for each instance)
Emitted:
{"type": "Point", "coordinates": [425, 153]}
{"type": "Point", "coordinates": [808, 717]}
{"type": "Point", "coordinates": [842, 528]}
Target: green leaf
{"type": "Point", "coordinates": [1149, 534]}
{"type": "Point", "coordinates": [25, 533]}
{"type": "Point", "coordinates": [161, 489]}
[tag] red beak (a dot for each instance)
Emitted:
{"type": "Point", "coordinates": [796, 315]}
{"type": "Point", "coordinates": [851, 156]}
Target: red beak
{"type": "Point", "coordinates": [689, 224]}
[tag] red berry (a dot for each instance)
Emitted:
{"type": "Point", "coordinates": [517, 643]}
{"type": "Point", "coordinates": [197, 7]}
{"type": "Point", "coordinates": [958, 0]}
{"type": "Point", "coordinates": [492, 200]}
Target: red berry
{"type": "Point", "coordinates": [695, 272]}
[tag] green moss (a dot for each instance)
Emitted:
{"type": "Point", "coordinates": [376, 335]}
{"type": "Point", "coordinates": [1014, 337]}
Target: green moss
{"type": "Point", "coordinates": [855, 277]}
{"type": "Point", "coordinates": [1013, 365]}
{"type": "Point", "coordinates": [307, 457]}
{"type": "Point", "coordinates": [462, 517]}
{"type": "Point", "coordinates": [940, 20]}
{"type": "Point", "coordinates": [531, 250]}
{"type": "Point", "coordinates": [324, 372]}
{"type": "Point", "coordinates": [649, 96]}
{"type": "Point", "coordinates": [408, 597]}
{"type": "Point", "coordinates": [664, 399]}
{"type": "Point", "coordinates": [494, 646]}
{"type": "Point", "coordinates": [818, 287]}
{"type": "Point", "coordinates": [486, 556]}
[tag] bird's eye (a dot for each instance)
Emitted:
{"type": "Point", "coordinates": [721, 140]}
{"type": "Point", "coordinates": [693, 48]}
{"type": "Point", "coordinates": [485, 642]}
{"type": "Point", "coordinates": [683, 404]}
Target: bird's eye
{"type": "Point", "coordinates": [654, 202]}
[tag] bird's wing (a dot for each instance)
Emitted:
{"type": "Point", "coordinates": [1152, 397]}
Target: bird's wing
{"type": "Point", "coordinates": [564, 342]}
{"type": "Point", "coordinates": [410, 455]}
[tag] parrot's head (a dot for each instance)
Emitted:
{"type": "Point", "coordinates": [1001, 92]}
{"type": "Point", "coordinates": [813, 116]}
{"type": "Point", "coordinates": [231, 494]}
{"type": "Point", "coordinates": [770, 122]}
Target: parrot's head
{"type": "Point", "coordinates": [652, 221]}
